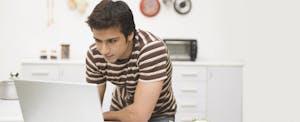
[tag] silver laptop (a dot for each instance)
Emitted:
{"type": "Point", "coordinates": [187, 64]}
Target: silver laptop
{"type": "Point", "coordinates": [57, 101]}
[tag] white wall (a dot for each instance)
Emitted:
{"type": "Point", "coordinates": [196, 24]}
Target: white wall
{"type": "Point", "coordinates": [271, 86]}
{"type": "Point", "coordinates": [24, 30]}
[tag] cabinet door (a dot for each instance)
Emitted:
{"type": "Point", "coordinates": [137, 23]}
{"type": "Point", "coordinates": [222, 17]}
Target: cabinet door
{"type": "Point", "coordinates": [72, 72]}
{"type": "Point", "coordinates": [40, 71]}
{"type": "Point", "coordinates": [224, 94]}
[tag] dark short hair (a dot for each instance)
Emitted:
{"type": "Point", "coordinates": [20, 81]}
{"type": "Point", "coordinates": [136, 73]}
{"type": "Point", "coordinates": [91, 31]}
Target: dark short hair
{"type": "Point", "coordinates": [110, 13]}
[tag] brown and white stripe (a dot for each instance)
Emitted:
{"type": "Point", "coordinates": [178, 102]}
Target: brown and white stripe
{"type": "Point", "coordinates": [149, 62]}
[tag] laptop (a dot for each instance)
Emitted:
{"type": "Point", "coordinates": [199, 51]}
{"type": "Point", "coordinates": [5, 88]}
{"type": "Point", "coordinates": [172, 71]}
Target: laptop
{"type": "Point", "coordinates": [58, 101]}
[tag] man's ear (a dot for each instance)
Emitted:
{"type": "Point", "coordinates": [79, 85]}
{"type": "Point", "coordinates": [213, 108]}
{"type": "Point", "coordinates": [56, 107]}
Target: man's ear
{"type": "Point", "coordinates": [130, 36]}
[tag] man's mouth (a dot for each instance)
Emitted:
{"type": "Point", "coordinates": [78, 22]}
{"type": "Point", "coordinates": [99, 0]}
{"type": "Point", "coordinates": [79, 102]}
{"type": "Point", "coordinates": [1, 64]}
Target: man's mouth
{"type": "Point", "coordinates": [108, 56]}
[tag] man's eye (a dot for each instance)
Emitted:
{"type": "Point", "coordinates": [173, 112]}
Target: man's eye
{"type": "Point", "coordinates": [98, 41]}
{"type": "Point", "coordinates": [112, 41]}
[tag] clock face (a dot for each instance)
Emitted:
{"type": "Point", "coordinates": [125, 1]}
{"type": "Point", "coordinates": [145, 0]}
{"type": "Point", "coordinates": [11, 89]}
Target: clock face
{"type": "Point", "coordinates": [150, 8]}
{"type": "Point", "coordinates": [183, 6]}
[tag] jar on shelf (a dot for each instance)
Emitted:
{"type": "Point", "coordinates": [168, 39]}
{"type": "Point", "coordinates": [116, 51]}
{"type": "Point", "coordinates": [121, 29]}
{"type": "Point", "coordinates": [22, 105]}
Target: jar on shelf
{"type": "Point", "coordinates": [43, 54]}
{"type": "Point", "coordinates": [53, 54]}
{"type": "Point", "coordinates": [65, 51]}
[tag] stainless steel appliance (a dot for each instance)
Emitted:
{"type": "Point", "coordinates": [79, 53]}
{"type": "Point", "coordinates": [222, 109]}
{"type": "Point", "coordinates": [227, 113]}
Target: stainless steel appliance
{"type": "Point", "coordinates": [8, 89]}
{"type": "Point", "coordinates": [182, 49]}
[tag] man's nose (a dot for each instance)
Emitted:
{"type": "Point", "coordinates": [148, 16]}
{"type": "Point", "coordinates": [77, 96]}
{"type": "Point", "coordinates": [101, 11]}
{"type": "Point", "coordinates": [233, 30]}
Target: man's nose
{"type": "Point", "coordinates": [105, 49]}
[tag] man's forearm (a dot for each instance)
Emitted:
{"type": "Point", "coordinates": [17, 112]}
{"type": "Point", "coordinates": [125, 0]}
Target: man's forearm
{"type": "Point", "coordinates": [127, 114]}
{"type": "Point", "coordinates": [145, 99]}
{"type": "Point", "coordinates": [111, 115]}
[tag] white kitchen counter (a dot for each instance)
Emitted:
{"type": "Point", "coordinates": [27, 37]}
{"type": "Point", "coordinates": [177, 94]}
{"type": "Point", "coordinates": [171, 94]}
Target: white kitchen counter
{"type": "Point", "coordinates": [10, 111]}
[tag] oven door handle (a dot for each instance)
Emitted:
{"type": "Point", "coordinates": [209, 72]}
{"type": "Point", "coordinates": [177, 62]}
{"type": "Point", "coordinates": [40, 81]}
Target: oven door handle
{"type": "Point", "coordinates": [177, 42]}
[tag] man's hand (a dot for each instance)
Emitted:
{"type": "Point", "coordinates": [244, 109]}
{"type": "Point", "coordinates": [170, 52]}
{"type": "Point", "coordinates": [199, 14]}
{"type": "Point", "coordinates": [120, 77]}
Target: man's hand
{"type": "Point", "coordinates": [145, 99]}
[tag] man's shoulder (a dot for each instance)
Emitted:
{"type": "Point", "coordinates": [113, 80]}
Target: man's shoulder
{"type": "Point", "coordinates": [145, 38]}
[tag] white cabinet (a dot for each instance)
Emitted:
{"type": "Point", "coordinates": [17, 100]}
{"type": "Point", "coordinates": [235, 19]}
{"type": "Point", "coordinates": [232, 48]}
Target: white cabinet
{"type": "Point", "coordinates": [204, 90]}
{"type": "Point", "coordinates": [189, 83]}
{"type": "Point", "coordinates": [207, 90]}
{"type": "Point", "coordinates": [73, 71]}
{"type": "Point", "coordinates": [224, 103]}
{"type": "Point", "coordinates": [38, 71]}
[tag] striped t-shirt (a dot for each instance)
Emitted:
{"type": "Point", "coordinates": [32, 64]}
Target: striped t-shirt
{"type": "Point", "coordinates": [148, 62]}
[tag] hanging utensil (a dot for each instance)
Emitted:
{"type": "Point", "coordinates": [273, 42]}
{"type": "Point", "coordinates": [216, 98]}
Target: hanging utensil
{"type": "Point", "coordinates": [183, 6]}
{"type": "Point", "coordinates": [149, 8]}
{"type": "Point", "coordinates": [50, 18]}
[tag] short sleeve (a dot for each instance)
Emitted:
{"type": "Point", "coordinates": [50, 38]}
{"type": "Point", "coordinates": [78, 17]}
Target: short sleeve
{"type": "Point", "coordinates": [93, 74]}
{"type": "Point", "coordinates": [152, 62]}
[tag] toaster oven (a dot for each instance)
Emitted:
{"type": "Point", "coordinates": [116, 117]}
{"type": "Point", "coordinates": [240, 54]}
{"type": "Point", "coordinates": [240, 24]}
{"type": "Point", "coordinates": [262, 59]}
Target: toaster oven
{"type": "Point", "coordinates": [182, 49]}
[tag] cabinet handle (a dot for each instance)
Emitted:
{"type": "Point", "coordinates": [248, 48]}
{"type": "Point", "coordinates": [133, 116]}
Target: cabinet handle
{"type": "Point", "coordinates": [189, 74]}
{"type": "Point", "coordinates": [40, 73]}
{"type": "Point", "coordinates": [210, 75]}
{"type": "Point", "coordinates": [189, 106]}
{"type": "Point", "coordinates": [189, 90]}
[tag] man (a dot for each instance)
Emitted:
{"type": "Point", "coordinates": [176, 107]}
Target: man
{"type": "Point", "coordinates": [135, 61]}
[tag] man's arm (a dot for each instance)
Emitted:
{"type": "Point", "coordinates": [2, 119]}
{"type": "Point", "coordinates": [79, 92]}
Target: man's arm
{"type": "Point", "coordinates": [101, 90]}
{"type": "Point", "coordinates": [145, 99]}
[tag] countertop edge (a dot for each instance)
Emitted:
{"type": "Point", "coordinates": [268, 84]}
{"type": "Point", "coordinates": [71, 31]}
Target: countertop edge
{"type": "Point", "coordinates": [185, 63]}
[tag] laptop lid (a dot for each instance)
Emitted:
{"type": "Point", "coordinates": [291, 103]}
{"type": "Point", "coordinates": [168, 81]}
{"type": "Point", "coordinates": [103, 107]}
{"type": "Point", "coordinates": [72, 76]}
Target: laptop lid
{"type": "Point", "coordinates": [58, 101]}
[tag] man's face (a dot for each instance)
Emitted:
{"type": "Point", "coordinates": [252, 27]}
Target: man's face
{"type": "Point", "coordinates": [112, 44]}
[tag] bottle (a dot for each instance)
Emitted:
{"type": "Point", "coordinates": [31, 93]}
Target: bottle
{"type": "Point", "coordinates": [53, 54]}
{"type": "Point", "coordinates": [65, 51]}
{"type": "Point", "coordinates": [43, 54]}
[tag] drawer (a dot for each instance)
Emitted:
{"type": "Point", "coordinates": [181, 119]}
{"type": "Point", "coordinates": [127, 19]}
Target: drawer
{"type": "Point", "coordinates": [192, 107]}
{"type": "Point", "coordinates": [189, 73]}
{"type": "Point", "coordinates": [188, 107]}
{"type": "Point", "coordinates": [190, 103]}
{"type": "Point", "coordinates": [189, 93]}
{"type": "Point", "coordinates": [40, 72]}
{"type": "Point", "coordinates": [190, 87]}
